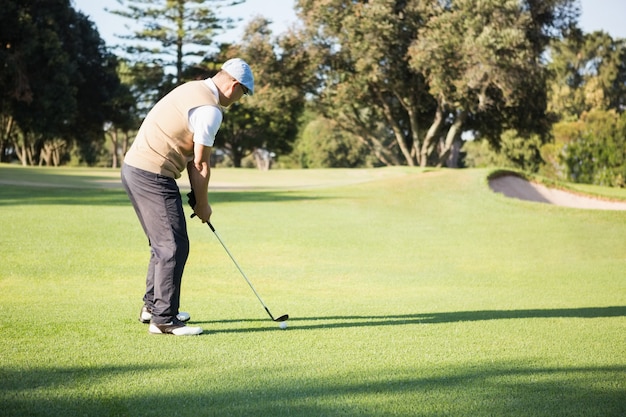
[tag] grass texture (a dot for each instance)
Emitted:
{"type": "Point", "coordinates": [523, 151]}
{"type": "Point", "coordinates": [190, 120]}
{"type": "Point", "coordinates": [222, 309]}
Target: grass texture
{"type": "Point", "coordinates": [411, 293]}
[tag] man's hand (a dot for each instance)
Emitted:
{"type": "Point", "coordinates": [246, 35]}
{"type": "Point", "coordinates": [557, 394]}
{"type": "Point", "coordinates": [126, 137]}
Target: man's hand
{"type": "Point", "coordinates": [191, 199]}
{"type": "Point", "coordinates": [203, 212]}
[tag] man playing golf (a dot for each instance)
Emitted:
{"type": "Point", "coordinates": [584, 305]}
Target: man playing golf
{"type": "Point", "coordinates": [177, 133]}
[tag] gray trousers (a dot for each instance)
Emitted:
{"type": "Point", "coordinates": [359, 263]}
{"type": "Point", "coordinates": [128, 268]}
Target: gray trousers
{"type": "Point", "coordinates": [158, 204]}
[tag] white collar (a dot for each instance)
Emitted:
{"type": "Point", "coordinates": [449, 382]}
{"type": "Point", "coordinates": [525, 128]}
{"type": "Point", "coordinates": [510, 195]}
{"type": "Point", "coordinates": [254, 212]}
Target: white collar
{"type": "Point", "coordinates": [209, 83]}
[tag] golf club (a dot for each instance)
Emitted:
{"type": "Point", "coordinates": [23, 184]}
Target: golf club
{"type": "Point", "coordinates": [192, 202]}
{"type": "Point", "coordinates": [278, 319]}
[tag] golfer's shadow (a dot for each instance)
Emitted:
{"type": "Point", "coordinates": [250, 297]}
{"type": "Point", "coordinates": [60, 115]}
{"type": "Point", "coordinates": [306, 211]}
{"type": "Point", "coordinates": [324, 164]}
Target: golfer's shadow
{"type": "Point", "coordinates": [340, 321]}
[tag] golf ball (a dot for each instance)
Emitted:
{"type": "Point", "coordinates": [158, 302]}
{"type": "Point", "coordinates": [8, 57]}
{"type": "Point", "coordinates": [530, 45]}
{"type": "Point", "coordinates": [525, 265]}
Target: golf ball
{"type": "Point", "coordinates": [283, 325]}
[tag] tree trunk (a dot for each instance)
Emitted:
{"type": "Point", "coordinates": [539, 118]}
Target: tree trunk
{"type": "Point", "coordinates": [415, 155]}
{"type": "Point", "coordinates": [453, 134]}
{"type": "Point", "coordinates": [5, 139]}
{"type": "Point", "coordinates": [125, 145]}
{"type": "Point", "coordinates": [115, 142]}
{"type": "Point", "coordinates": [236, 156]}
{"type": "Point", "coordinates": [50, 153]}
{"type": "Point", "coordinates": [25, 151]}
{"type": "Point", "coordinates": [428, 143]}
{"type": "Point", "coordinates": [45, 155]}
{"type": "Point", "coordinates": [412, 112]}
{"type": "Point", "coordinates": [397, 130]}
{"type": "Point", "coordinates": [56, 153]}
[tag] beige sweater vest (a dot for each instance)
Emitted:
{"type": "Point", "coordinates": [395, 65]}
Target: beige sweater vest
{"type": "Point", "coordinates": [164, 143]}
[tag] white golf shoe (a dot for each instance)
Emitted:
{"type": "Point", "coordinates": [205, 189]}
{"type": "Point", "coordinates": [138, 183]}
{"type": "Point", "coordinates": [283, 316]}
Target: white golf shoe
{"type": "Point", "coordinates": [175, 327]}
{"type": "Point", "coordinates": [146, 315]}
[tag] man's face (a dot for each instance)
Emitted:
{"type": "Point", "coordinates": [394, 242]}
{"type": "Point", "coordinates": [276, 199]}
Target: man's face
{"type": "Point", "coordinates": [234, 93]}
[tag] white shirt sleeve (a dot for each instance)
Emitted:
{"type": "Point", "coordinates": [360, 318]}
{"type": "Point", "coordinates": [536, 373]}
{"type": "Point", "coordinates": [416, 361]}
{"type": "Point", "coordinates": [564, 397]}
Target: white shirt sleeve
{"type": "Point", "coordinates": [204, 122]}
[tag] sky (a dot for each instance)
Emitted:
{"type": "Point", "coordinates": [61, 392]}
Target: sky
{"type": "Point", "coordinates": [606, 15]}
{"type": "Point", "coordinates": [280, 12]}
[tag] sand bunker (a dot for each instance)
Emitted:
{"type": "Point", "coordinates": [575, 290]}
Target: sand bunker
{"type": "Point", "coordinates": [516, 187]}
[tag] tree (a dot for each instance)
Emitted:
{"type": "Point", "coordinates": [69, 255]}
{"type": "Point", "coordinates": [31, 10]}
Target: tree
{"type": "Point", "coordinates": [56, 81]}
{"type": "Point", "coordinates": [485, 57]}
{"type": "Point", "coordinates": [323, 145]}
{"type": "Point", "coordinates": [268, 120]}
{"type": "Point", "coordinates": [409, 76]}
{"type": "Point", "coordinates": [173, 30]}
{"type": "Point", "coordinates": [587, 94]}
{"type": "Point", "coordinates": [596, 151]}
{"type": "Point", "coordinates": [36, 76]}
{"type": "Point", "coordinates": [588, 71]}
{"type": "Point", "coordinates": [365, 83]}
{"type": "Point", "coordinates": [98, 91]}
{"type": "Point", "coordinates": [124, 114]}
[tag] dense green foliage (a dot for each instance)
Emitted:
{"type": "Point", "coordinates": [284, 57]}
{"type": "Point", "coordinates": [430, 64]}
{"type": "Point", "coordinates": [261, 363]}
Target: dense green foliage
{"type": "Point", "coordinates": [409, 77]}
{"type": "Point", "coordinates": [595, 153]}
{"type": "Point", "coordinates": [411, 293]}
{"type": "Point", "coordinates": [588, 94]}
{"type": "Point", "coordinates": [322, 144]}
{"type": "Point", "coordinates": [57, 83]}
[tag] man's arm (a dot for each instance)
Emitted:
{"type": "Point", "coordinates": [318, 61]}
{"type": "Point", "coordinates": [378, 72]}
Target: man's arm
{"type": "Point", "coordinates": [199, 172]}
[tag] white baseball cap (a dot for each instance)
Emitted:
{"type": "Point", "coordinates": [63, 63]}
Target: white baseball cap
{"type": "Point", "coordinates": [240, 71]}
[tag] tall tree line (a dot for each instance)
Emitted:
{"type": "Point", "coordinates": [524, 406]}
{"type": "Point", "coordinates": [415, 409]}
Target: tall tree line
{"type": "Point", "coordinates": [180, 35]}
{"type": "Point", "coordinates": [408, 77]}
{"type": "Point", "coordinates": [379, 82]}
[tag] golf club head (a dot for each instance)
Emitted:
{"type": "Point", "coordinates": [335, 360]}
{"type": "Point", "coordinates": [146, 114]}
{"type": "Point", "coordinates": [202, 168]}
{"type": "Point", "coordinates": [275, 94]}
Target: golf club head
{"type": "Point", "coordinates": [282, 318]}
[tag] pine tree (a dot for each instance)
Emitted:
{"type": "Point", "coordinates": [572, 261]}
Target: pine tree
{"type": "Point", "coordinates": [170, 31]}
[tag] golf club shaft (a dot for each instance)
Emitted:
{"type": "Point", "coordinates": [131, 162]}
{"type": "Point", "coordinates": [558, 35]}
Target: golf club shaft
{"type": "Point", "coordinates": [240, 270]}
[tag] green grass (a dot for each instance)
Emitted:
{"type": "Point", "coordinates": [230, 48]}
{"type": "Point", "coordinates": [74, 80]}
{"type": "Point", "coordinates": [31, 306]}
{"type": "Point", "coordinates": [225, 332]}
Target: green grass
{"type": "Point", "coordinates": [411, 293]}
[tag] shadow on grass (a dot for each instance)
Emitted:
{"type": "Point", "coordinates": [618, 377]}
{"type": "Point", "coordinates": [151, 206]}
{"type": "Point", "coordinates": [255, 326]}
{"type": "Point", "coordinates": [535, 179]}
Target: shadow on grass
{"type": "Point", "coordinates": [430, 318]}
{"type": "Point", "coordinates": [35, 196]}
{"type": "Point", "coordinates": [473, 389]}
{"type": "Point", "coordinates": [14, 195]}
{"type": "Point", "coordinates": [47, 177]}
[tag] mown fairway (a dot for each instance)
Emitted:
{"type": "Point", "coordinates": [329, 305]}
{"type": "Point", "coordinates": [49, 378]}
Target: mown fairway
{"type": "Point", "coordinates": [411, 294]}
